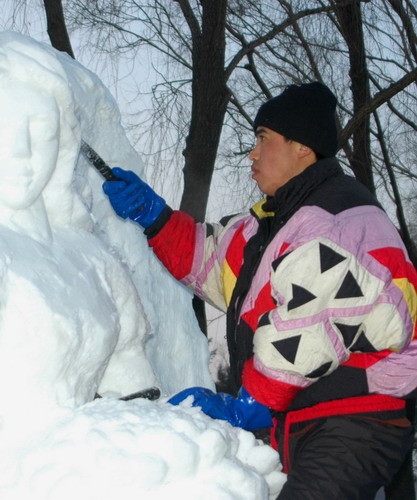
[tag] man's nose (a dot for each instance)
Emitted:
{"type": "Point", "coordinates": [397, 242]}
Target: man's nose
{"type": "Point", "coordinates": [253, 155]}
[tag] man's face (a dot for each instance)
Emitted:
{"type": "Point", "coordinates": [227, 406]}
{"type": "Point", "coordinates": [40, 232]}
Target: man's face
{"type": "Point", "coordinates": [274, 160]}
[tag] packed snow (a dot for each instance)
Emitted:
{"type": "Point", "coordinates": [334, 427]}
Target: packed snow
{"type": "Point", "coordinates": [86, 309]}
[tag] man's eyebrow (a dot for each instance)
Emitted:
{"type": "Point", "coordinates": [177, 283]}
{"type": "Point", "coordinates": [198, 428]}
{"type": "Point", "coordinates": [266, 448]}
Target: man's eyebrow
{"type": "Point", "coordinates": [260, 130]}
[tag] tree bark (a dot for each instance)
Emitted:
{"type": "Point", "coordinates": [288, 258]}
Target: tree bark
{"type": "Point", "coordinates": [56, 26]}
{"type": "Point", "coordinates": [210, 97]}
{"type": "Point", "coordinates": [350, 20]}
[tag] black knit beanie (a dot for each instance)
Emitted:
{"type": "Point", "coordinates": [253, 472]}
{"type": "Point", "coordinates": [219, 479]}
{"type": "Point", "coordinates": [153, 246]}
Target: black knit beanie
{"type": "Point", "coordinates": [304, 113]}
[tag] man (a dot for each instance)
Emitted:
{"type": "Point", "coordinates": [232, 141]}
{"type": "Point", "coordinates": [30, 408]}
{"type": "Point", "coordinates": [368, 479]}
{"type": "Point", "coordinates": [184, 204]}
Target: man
{"type": "Point", "coordinates": [321, 303]}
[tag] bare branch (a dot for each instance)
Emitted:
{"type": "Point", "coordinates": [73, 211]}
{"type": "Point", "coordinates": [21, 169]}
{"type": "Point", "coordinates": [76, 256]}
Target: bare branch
{"type": "Point", "coordinates": [378, 100]}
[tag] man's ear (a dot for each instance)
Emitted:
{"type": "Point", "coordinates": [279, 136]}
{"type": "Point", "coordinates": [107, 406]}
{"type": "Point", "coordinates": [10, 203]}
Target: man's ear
{"type": "Point", "coordinates": [304, 151]}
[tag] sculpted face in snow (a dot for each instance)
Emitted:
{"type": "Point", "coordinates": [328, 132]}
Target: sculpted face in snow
{"type": "Point", "coordinates": [28, 143]}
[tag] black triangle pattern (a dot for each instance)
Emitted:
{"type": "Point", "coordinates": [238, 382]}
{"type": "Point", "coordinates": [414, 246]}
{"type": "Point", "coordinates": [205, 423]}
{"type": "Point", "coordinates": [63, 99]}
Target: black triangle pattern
{"type": "Point", "coordinates": [288, 347]}
{"type": "Point", "coordinates": [264, 320]}
{"type": "Point", "coordinates": [349, 288]}
{"type": "Point", "coordinates": [348, 332]}
{"type": "Point", "coordinates": [362, 345]}
{"type": "Point", "coordinates": [320, 371]}
{"type": "Point", "coordinates": [300, 296]}
{"type": "Point", "coordinates": [329, 258]}
{"type": "Point", "coordinates": [278, 261]}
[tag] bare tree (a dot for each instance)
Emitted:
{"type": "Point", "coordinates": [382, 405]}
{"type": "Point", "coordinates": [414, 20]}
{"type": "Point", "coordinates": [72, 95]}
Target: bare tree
{"type": "Point", "coordinates": [221, 58]}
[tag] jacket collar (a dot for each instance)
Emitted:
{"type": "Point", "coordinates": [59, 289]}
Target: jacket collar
{"type": "Point", "coordinates": [291, 196]}
{"type": "Point", "coordinates": [259, 212]}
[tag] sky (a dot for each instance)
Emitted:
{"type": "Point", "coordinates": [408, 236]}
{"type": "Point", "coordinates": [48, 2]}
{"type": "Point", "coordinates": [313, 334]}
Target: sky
{"type": "Point", "coordinates": [87, 309]}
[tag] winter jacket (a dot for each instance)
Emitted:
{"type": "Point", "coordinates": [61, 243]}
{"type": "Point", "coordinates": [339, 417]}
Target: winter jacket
{"type": "Point", "coordinates": [319, 291]}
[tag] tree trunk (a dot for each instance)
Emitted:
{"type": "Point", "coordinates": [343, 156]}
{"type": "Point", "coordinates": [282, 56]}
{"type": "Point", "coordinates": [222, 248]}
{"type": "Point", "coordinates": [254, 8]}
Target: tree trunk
{"type": "Point", "coordinates": [56, 26]}
{"type": "Point", "coordinates": [210, 96]}
{"type": "Point", "coordinates": [350, 19]}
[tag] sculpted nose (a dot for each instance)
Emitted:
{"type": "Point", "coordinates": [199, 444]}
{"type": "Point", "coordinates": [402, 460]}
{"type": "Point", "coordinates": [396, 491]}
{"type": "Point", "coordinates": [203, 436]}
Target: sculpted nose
{"type": "Point", "coordinates": [20, 141]}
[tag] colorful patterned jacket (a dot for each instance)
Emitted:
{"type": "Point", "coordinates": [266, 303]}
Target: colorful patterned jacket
{"type": "Point", "coordinates": [319, 291]}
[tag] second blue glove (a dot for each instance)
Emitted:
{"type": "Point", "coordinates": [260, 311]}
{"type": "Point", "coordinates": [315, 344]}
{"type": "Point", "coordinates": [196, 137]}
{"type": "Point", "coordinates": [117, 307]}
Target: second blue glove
{"type": "Point", "coordinates": [243, 411]}
{"type": "Point", "coordinates": [132, 198]}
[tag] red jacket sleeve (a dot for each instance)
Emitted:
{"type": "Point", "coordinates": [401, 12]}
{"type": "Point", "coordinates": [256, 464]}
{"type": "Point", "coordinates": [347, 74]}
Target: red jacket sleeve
{"type": "Point", "coordinates": [174, 244]}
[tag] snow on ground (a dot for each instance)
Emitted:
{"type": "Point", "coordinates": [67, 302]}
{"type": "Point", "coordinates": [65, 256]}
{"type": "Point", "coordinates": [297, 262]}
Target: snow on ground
{"type": "Point", "coordinates": [85, 308]}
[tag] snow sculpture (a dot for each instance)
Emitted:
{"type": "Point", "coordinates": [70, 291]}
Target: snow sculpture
{"type": "Point", "coordinates": [161, 321]}
{"type": "Point", "coordinates": [79, 301]}
{"type": "Point", "coordinates": [66, 303]}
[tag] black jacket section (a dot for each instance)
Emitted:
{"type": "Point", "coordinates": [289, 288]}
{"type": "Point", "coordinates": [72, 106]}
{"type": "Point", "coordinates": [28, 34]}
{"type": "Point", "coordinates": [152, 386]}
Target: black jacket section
{"type": "Point", "coordinates": [343, 382]}
{"type": "Point", "coordinates": [324, 185]}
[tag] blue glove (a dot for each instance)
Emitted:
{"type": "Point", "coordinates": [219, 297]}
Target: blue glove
{"type": "Point", "coordinates": [133, 198]}
{"type": "Point", "coordinates": [243, 411]}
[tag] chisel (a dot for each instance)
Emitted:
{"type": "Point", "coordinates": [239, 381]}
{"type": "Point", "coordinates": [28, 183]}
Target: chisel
{"type": "Point", "coordinates": [95, 159]}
